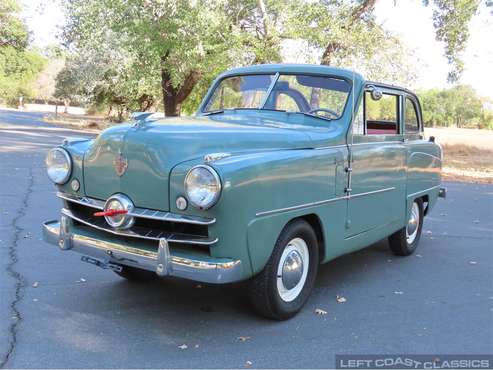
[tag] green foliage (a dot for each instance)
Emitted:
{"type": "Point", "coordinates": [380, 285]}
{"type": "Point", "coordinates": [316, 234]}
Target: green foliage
{"type": "Point", "coordinates": [18, 69]}
{"type": "Point", "coordinates": [458, 106]}
{"type": "Point", "coordinates": [172, 45]}
{"type": "Point", "coordinates": [451, 20]}
{"type": "Point", "coordinates": [147, 51]}
{"type": "Point", "coordinates": [18, 66]}
{"type": "Point", "coordinates": [13, 31]}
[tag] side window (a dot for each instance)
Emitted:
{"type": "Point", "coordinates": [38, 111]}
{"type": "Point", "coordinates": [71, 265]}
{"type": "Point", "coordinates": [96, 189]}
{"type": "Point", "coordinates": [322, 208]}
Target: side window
{"type": "Point", "coordinates": [382, 116]}
{"type": "Point", "coordinates": [410, 117]}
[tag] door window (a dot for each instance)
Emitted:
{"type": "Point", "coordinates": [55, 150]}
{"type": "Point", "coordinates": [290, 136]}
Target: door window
{"type": "Point", "coordinates": [382, 116]}
{"type": "Point", "coordinates": [411, 117]}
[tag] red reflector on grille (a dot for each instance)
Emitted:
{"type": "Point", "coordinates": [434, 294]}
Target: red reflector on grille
{"type": "Point", "coordinates": [111, 212]}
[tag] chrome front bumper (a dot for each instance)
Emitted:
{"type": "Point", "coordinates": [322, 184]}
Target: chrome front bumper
{"type": "Point", "coordinates": [162, 261]}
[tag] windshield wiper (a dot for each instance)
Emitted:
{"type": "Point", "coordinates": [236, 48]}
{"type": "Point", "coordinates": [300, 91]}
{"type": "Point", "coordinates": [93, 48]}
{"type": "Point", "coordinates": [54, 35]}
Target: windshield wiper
{"type": "Point", "coordinates": [210, 113]}
{"type": "Point", "coordinates": [315, 116]}
{"type": "Point", "coordinates": [269, 109]}
{"type": "Point", "coordinates": [219, 111]}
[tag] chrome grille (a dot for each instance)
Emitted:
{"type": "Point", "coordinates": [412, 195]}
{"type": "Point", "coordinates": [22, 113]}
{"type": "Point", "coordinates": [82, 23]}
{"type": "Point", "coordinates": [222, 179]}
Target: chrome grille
{"type": "Point", "coordinates": [140, 212]}
{"type": "Point", "coordinates": [149, 225]}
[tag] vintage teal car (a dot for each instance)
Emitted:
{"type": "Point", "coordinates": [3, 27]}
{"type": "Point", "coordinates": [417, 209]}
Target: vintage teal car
{"type": "Point", "coordinates": [283, 167]}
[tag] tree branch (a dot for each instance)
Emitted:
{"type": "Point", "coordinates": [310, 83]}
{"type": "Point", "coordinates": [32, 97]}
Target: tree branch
{"type": "Point", "coordinates": [188, 84]}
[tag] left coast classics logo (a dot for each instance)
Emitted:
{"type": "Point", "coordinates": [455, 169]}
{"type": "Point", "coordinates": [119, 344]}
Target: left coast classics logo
{"type": "Point", "coordinates": [120, 163]}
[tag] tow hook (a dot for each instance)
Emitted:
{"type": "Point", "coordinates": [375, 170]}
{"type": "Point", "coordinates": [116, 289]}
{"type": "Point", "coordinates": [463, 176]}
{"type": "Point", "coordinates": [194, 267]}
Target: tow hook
{"type": "Point", "coordinates": [102, 264]}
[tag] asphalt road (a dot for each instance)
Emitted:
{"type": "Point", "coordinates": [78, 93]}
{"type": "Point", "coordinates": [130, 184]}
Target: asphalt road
{"type": "Point", "coordinates": [58, 312]}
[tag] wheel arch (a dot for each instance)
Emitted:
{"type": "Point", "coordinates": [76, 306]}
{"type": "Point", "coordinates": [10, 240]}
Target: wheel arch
{"type": "Point", "coordinates": [263, 233]}
{"type": "Point", "coordinates": [314, 221]}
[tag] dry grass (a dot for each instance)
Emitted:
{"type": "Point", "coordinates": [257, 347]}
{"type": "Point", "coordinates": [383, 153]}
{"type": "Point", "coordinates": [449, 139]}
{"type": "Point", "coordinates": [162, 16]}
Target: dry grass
{"type": "Point", "coordinates": [467, 163]}
{"type": "Point", "coordinates": [467, 153]}
{"type": "Point", "coordinates": [78, 121]}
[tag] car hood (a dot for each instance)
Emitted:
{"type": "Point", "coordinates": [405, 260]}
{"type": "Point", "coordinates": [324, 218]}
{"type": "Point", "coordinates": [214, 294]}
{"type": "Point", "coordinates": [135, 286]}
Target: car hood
{"type": "Point", "coordinates": [150, 149]}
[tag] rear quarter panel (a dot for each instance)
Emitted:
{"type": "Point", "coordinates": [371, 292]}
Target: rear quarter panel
{"type": "Point", "coordinates": [424, 164]}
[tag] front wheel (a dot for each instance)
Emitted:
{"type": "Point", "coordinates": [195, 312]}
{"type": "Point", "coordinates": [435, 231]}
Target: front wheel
{"type": "Point", "coordinates": [281, 289]}
{"type": "Point", "coordinates": [404, 241]}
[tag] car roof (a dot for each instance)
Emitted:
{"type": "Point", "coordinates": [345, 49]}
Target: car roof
{"type": "Point", "coordinates": [295, 68]}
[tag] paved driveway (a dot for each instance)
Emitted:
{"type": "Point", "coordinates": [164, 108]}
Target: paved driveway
{"type": "Point", "coordinates": [56, 311]}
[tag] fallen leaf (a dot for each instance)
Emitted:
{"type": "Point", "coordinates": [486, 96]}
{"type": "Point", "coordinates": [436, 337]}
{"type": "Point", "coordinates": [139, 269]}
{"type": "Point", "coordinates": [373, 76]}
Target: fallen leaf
{"type": "Point", "coordinates": [340, 299]}
{"type": "Point", "coordinates": [243, 339]}
{"type": "Point", "coordinates": [183, 346]}
{"type": "Point", "coordinates": [35, 284]}
{"type": "Point", "coordinates": [398, 292]}
{"type": "Point", "coordinates": [321, 312]}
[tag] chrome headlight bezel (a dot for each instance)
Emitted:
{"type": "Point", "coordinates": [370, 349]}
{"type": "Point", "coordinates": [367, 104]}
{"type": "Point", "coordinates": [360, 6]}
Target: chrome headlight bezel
{"type": "Point", "coordinates": [68, 159]}
{"type": "Point", "coordinates": [213, 199]}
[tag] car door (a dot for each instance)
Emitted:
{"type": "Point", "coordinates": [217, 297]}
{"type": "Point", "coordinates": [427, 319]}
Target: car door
{"type": "Point", "coordinates": [377, 179]}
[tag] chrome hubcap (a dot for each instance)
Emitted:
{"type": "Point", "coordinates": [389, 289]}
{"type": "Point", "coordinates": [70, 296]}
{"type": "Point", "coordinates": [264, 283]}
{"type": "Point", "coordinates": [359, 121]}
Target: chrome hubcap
{"type": "Point", "coordinates": [412, 224]}
{"type": "Point", "coordinates": [292, 270]}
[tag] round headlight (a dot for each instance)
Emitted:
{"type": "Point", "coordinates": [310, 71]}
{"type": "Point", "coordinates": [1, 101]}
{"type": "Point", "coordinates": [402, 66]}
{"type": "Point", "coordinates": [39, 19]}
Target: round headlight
{"type": "Point", "coordinates": [58, 165]}
{"type": "Point", "coordinates": [203, 186]}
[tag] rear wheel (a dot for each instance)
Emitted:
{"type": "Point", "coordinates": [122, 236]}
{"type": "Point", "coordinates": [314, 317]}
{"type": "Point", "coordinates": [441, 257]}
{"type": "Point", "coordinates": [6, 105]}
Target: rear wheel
{"type": "Point", "coordinates": [405, 241]}
{"type": "Point", "coordinates": [281, 289]}
{"type": "Point", "coordinates": [135, 274]}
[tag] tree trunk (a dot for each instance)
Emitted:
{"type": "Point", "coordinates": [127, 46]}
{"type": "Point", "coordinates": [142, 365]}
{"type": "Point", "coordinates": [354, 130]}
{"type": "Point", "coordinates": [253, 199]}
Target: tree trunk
{"type": "Point", "coordinates": [66, 102]}
{"type": "Point", "coordinates": [173, 97]}
{"type": "Point", "coordinates": [145, 102]}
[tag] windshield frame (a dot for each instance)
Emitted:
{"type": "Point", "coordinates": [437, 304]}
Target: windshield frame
{"type": "Point", "coordinates": [216, 84]}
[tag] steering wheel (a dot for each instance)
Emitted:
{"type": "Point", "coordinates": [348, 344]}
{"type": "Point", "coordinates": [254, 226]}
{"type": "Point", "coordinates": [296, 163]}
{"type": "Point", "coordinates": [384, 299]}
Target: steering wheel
{"type": "Point", "coordinates": [325, 110]}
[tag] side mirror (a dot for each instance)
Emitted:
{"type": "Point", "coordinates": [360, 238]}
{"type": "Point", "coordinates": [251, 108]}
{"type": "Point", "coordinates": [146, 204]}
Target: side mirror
{"type": "Point", "coordinates": [375, 93]}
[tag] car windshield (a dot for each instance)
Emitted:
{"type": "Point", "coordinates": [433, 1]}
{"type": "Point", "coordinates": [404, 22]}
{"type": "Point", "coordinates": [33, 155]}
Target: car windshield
{"type": "Point", "coordinates": [322, 96]}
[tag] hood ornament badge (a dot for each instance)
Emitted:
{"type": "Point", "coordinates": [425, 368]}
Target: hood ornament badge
{"type": "Point", "coordinates": [120, 164]}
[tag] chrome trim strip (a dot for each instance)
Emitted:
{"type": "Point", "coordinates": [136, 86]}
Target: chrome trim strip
{"type": "Point", "coordinates": [378, 142]}
{"type": "Point", "coordinates": [173, 238]}
{"type": "Point", "coordinates": [427, 154]}
{"type": "Point", "coordinates": [423, 191]}
{"type": "Point", "coordinates": [140, 212]}
{"type": "Point", "coordinates": [301, 206]}
{"type": "Point", "coordinates": [371, 192]}
{"type": "Point", "coordinates": [320, 202]}
{"type": "Point", "coordinates": [84, 201]}
{"type": "Point", "coordinates": [357, 144]}
{"type": "Point", "coordinates": [221, 270]}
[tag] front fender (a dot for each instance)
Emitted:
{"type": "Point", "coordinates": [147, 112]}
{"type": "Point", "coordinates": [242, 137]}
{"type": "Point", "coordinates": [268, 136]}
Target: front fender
{"type": "Point", "coordinates": [254, 184]}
